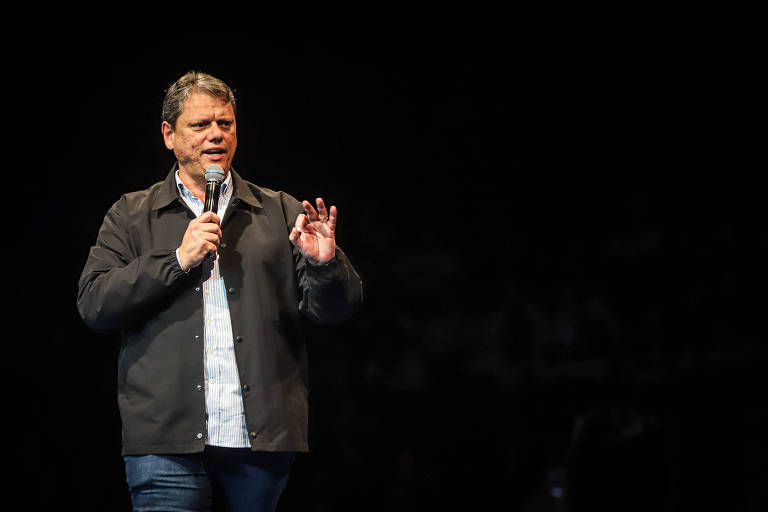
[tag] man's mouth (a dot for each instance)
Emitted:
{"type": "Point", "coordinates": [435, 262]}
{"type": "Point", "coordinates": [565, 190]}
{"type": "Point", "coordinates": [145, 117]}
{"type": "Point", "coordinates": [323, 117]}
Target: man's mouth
{"type": "Point", "coordinates": [215, 153]}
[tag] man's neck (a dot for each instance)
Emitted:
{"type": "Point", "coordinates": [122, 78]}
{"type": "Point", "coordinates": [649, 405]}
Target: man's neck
{"type": "Point", "coordinates": [197, 187]}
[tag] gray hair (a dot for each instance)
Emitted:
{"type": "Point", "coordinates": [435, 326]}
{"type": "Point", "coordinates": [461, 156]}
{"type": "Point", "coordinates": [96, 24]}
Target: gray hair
{"type": "Point", "coordinates": [192, 82]}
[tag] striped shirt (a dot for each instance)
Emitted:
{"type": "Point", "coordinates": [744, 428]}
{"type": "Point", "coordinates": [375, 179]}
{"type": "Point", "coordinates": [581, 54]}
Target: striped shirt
{"type": "Point", "coordinates": [223, 396]}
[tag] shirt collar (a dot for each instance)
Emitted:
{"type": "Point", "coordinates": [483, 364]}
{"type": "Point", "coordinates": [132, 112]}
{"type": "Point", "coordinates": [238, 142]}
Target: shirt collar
{"type": "Point", "coordinates": [240, 189]}
{"type": "Point", "coordinates": [226, 187]}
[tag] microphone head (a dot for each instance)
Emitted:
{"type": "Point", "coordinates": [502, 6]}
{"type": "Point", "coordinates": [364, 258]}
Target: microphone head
{"type": "Point", "coordinates": [214, 173]}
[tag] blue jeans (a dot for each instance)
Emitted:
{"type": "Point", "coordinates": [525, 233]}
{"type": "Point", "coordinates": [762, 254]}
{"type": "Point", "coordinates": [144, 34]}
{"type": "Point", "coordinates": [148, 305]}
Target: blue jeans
{"type": "Point", "coordinates": [235, 478]}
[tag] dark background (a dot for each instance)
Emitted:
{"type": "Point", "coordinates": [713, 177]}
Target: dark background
{"type": "Point", "coordinates": [562, 243]}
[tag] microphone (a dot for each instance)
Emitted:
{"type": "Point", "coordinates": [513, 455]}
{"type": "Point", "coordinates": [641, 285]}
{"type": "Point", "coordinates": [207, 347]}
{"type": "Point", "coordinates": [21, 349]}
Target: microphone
{"type": "Point", "coordinates": [214, 175]}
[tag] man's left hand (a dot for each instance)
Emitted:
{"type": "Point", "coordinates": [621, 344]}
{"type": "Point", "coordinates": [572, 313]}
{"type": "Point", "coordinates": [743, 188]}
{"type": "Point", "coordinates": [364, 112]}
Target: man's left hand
{"type": "Point", "coordinates": [315, 232]}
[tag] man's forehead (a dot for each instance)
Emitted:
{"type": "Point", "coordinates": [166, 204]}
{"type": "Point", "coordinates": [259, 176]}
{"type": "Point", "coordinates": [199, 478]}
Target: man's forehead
{"type": "Point", "coordinates": [200, 103]}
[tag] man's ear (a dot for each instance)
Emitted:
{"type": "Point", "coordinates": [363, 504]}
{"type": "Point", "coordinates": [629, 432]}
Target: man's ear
{"type": "Point", "coordinates": [167, 130]}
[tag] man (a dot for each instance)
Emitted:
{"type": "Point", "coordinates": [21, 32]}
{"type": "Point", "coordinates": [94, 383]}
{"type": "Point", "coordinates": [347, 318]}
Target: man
{"type": "Point", "coordinates": [212, 377]}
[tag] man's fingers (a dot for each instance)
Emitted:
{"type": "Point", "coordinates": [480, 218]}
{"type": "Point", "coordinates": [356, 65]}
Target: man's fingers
{"type": "Point", "coordinates": [311, 213]}
{"type": "Point", "coordinates": [209, 232]}
{"type": "Point", "coordinates": [321, 209]}
{"type": "Point", "coordinates": [213, 238]}
{"type": "Point", "coordinates": [322, 214]}
{"type": "Point", "coordinates": [210, 227]}
{"type": "Point", "coordinates": [301, 220]}
{"type": "Point", "coordinates": [295, 238]}
{"type": "Point", "coordinates": [303, 225]}
{"type": "Point", "coordinates": [209, 217]}
{"type": "Point", "coordinates": [332, 219]}
{"type": "Point", "coordinates": [208, 222]}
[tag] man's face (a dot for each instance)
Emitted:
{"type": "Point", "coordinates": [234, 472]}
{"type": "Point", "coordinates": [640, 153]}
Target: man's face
{"type": "Point", "coordinates": [205, 134]}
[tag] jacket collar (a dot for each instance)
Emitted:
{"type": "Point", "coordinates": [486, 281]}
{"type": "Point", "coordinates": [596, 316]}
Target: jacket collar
{"type": "Point", "coordinates": [169, 193]}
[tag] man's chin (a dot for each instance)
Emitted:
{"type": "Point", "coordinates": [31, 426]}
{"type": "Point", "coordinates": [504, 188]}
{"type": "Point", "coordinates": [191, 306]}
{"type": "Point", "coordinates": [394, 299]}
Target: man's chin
{"type": "Point", "coordinates": [196, 168]}
{"type": "Point", "coordinates": [207, 162]}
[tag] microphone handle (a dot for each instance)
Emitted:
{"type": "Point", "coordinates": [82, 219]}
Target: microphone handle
{"type": "Point", "coordinates": [212, 190]}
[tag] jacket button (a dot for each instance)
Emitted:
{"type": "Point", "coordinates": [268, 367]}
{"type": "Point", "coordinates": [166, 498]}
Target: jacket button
{"type": "Point", "coordinates": [238, 339]}
{"type": "Point", "coordinates": [197, 289]}
{"type": "Point", "coordinates": [223, 245]}
{"type": "Point", "coordinates": [231, 290]}
{"type": "Point", "coordinates": [246, 387]}
{"type": "Point", "coordinates": [199, 387]}
{"type": "Point", "coordinates": [199, 435]}
{"type": "Point", "coordinates": [252, 434]}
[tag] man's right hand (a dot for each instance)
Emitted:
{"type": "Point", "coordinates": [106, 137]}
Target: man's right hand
{"type": "Point", "coordinates": [201, 238]}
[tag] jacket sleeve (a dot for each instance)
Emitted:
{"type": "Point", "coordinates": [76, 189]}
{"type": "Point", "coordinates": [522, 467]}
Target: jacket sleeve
{"type": "Point", "coordinates": [118, 286]}
{"type": "Point", "coordinates": [330, 292]}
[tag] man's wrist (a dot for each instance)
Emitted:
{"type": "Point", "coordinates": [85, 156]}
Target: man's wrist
{"type": "Point", "coordinates": [178, 258]}
{"type": "Point", "coordinates": [316, 263]}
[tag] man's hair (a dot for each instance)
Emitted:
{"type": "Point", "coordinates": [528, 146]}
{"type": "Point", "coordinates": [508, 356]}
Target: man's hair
{"type": "Point", "coordinates": [193, 82]}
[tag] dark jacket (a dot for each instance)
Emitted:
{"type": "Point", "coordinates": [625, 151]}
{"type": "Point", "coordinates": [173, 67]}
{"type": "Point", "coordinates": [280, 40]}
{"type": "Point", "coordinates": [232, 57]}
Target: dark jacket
{"type": "Point", "coordinates": [132, 283]}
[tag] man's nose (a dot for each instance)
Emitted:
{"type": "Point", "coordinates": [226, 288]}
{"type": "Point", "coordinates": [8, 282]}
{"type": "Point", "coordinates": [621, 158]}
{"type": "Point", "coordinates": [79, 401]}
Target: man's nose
{"type": "Point", "coordinates": [214, 132]}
